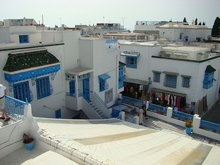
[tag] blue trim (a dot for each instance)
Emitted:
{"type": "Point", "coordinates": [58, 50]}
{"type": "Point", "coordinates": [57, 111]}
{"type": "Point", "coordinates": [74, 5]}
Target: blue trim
{"type": "Point", "coordinates": [104, 76]}
{"type": "Point", "coordinates": [14, 77]}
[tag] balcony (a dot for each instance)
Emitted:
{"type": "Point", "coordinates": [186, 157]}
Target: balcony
{"type": "Point", "coordinates": [15, 109]}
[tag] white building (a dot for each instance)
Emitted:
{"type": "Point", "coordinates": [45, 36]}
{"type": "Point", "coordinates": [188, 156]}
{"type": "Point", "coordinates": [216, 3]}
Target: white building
{"type": "Point", "coordinates": [191, 75]}
{"type": "Point", "coordinates": [176, 31]}
{"type": "Point", "coordinates": [59, 72]}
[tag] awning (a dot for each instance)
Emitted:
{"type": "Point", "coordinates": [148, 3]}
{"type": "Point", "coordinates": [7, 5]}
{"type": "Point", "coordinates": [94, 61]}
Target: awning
{"type": "Point", "coordinates": [33, 73]}
{"type": "Point", "coordinates": [130, 54]}
{"type": "Point", "coordinates": [136, 81]}
{"type": "Point", "coordinates": [104, 76]}
{"type": "Point", "coordinates": [210, 69]}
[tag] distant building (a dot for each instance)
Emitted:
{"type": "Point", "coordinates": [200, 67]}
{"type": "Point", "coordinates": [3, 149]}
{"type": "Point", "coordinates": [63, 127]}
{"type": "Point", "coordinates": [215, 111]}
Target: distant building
{"type": "Point", "coordinates": [59, 72]}
{"type": "Point", "coordinates": [189, 74]}
{"type": "Point", "coordinates": [175, 31]}
{"type": "Point", "coordinates": [131, 36]}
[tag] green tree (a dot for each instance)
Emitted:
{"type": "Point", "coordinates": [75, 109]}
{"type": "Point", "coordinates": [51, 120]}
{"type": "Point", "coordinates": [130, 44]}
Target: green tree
{"type": "Point", "coordinates": [216, 28]}
{"type": "Point", "coordinates": [203, 23]}
{"type": "Point", "coordinates": [184, 19]}
{"type": "Point", "coordinates": [200, 23]}
{"type": "Point", "coordinates": [196, 21]}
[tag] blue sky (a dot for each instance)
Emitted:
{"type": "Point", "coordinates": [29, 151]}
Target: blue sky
{"type": "Point", "coordinates": [72, 12]}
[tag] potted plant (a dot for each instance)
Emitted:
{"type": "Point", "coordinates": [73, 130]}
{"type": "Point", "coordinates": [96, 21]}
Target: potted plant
{"type": "Point", "coordinates": [29, 142]}
{"type": "Point", "coordinates": [188, 125]}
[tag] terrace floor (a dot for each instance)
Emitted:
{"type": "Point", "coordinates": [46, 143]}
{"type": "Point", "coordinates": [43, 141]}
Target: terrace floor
{"type": "Point", "coordinates": [37, 156]}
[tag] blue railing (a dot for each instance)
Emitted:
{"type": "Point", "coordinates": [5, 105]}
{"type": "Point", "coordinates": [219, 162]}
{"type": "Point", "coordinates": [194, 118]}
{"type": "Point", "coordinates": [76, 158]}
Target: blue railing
{"type": "Point", "coordinates": [214, 127]}
{"type": "Point", "coordinates": [158, 108]}
{"type": "Point", "coordinates": [181, 115]}
{"type": "Point", "coordinates": [14, 107]}
{"type": "Point", "coordinates": [132, 101]}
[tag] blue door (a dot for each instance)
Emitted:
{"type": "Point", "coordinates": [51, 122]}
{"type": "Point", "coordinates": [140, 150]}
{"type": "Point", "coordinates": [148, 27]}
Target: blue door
{"type": "Point", "coordinates": [58, 113]}
{"type": "Point", "coordinates": [86, 89]}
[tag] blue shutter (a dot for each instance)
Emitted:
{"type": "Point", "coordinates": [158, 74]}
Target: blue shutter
{"type": "Point", "coordinates": [170, 81]}
{"type": "Point", "coordinates": [156, 76]}
{"type": "Point", "coordinates": [22, 91]}
{"type": "Point", "coordinates": [43, 87]}
{"type": "Point", "coordinates": [121, 77]}
{"type": "Point", "coordinates": [23, 39]}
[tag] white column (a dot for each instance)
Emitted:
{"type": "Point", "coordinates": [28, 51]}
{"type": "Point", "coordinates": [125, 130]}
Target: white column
{"type": "Point", "coordinates": [147, 105]}
{"type": "Point", "coordinates": [169, 112]}
{"type": "Point", "coordinates": [196, 123]}
{"type": "Point", "coordinates": [122, 113]}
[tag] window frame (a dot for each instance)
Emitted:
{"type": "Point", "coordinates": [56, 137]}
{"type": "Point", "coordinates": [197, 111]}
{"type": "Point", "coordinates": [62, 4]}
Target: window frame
{"type": "Point", "coordinates": [131, 62]}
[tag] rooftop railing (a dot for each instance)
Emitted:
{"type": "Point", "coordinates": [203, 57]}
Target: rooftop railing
{"type": "Point", "coordinates": [14, 108]}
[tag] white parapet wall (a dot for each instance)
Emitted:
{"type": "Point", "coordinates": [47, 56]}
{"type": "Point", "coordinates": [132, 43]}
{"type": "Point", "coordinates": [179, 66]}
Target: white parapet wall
{"type": "Point", "coordinates": [196, 123]}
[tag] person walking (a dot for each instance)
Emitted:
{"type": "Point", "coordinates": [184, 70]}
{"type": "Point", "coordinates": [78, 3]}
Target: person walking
{"type": "Point", "coordinates": [4, 116]}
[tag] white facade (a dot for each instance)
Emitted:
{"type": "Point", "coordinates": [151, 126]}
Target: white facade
{"type": "Point", "coordinates": [72, 52]}
{"type": "Point", "coordinates": [177, 31]}
{"type": "Point", "coordinates": [185, 61]}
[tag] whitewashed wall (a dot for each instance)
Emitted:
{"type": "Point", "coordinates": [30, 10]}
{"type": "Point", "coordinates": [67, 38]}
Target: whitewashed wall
{"type": "Point", "coordinates": [146, 64]}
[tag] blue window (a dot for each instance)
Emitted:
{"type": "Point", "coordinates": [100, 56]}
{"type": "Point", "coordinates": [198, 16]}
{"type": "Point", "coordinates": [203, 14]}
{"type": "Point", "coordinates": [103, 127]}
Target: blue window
{"type": "Point", "coordinates": [156, 76]}
{"type": "Point", "coordinates": [209, 77]}
{"type": "Point", "coordinates": [72, 88]}
{"type": "Point", "coordinates": [121, 77]}
{"type": "Point", "coordinates": [23, 39]}
{"type": "Point", "coordinates": [103, 85]}
{"type": "Point", "coordinates": [43, 87]}
{"type": "Point", "coordinates": [170, 81]}
{"type": "Point", "coordinates": [186, 81]}
{"type": "Point", "coordinates": [131, 62]}
{"type": "Point", "coordinates": [22, 91]}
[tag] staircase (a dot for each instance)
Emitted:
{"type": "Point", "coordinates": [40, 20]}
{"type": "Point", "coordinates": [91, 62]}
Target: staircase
{"type": "Point", "coordinates": [99, 112]}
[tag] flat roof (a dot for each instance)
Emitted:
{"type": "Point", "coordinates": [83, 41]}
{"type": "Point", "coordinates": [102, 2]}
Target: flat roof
{"type": "Point", "coordinates": [113, 141]}
{"type": "Point", "coordinates": [185, 48]}
{"type": "Point", "coordinates": [79, 70]}
{"type": "Point", "coordinates": [38, 156]}
{"type": "Point", "coordinates": [149, 43]}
